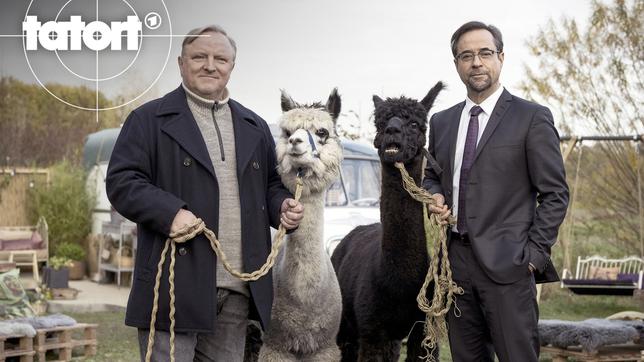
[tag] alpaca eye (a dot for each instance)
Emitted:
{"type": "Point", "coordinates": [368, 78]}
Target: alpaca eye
{"type": "Point", "coordinates": [287, 133]}
{"type": "Point", "coordinates": [414, 125]}
{"type": "Point", "coordinates": [322, 133]}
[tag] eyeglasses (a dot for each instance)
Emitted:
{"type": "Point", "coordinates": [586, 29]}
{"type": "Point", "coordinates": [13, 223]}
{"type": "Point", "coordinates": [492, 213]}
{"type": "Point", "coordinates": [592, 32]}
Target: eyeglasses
{"type": "Point", "coordinates": [483, 54]}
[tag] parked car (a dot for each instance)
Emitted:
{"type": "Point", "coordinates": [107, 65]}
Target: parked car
{"type": "Point", "coordinates": [351, 200]}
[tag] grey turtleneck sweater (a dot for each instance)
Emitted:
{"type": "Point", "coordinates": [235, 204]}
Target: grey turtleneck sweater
{"type": "Point", "coordinates": [216, 124]}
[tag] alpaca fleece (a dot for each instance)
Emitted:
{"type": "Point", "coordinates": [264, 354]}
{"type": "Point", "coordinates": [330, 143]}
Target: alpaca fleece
{"type": "Point", "coordinates": [381, 267]}
{"type": "Point", "coordinates": [307, 306]}
{"type": "Point", "coordinates": [590, 334]}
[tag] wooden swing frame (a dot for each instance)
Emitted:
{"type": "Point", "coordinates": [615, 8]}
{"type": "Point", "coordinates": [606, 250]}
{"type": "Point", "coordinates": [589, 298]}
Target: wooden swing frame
{"type": "Point", "coordinates": [630, 268]}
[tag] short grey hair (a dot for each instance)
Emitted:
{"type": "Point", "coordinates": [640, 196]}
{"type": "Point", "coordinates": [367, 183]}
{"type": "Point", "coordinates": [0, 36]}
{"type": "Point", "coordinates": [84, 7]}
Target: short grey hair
{"type": "Point", "coordinates": [192, 36]}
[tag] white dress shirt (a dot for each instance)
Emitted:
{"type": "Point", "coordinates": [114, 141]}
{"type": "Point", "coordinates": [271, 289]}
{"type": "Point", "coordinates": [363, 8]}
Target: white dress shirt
{"type": "Point", "coordinates": [488, 106]}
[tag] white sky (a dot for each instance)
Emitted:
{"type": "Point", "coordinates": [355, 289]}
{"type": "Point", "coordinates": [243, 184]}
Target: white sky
{"type": "Point", "coordinates": [363, 47]}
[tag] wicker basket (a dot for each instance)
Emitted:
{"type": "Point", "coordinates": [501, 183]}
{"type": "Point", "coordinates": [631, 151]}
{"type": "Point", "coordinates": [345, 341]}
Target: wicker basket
{"type": "Point", "coordinates": [125, 260]}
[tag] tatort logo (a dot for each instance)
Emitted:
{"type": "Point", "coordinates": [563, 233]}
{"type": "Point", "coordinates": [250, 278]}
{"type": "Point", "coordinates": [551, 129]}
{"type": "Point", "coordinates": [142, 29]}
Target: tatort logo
{"type": "Point", "coordinates": [117, 48]}
{"type": "Point", "coordinates": [68, 35]}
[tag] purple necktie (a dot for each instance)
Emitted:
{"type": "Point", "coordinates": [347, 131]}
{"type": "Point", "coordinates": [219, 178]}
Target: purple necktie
{"type": "Point", "coordinates": [468, 158]}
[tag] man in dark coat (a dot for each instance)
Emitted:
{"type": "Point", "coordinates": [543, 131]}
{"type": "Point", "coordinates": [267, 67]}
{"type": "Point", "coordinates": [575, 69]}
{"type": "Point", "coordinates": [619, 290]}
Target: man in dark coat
{"type": "Point", "coordinates": [501, 173]}
{"type": "Point", "coordinates": [197, 153]}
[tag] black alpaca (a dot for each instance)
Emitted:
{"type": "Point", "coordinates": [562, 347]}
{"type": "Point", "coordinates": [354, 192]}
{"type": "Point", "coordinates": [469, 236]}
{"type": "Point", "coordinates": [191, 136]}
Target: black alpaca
{"type": "Point", "coordinates": [381, 267]}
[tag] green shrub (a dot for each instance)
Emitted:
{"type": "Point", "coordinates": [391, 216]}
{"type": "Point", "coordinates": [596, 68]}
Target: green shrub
{"type": "Point", "coordinates": [65, 204]}
{"type": "Point", "coordinates": [70, 250]}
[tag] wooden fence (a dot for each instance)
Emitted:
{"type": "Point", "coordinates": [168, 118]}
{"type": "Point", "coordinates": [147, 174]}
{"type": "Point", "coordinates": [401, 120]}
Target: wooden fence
{"type": "Point", "coordinates": [15, 184]}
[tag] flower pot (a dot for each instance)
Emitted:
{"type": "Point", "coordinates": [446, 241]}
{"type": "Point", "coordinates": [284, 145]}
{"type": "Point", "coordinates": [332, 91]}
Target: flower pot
{"type": "Point", "coordinates": [53, 278]}
{"type": "Point", "coordinates": [123, 257]}
{"type": "Point", "coordinates": [39, 307]}
{"type": "Point", "coordinates": [77, 270]}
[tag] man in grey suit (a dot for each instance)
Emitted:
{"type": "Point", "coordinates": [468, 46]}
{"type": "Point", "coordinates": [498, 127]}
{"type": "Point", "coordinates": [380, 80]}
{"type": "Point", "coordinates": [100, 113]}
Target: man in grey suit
{"type": "Point", "coordinates": [499, 170]}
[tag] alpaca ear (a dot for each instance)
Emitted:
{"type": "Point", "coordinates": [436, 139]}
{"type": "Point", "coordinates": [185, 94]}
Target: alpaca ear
{"type": "Point", "coordinates": [428, 101]}
{"type": "Point", "coordinates": [377, 100]}
{"type": "Point", "coordinates": [287, 102]}
{"type": "Point", "coordinates": [334, 104]}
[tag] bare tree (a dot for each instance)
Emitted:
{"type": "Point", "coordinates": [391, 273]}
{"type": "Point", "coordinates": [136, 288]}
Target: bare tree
{"type": "Point", "coordinates": [593, 78]}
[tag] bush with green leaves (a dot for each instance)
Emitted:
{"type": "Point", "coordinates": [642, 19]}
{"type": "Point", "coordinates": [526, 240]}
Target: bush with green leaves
{"type": "Point", "coordinates": [71, 251]}
{"type": "Point", "coordinates": [65, 204]}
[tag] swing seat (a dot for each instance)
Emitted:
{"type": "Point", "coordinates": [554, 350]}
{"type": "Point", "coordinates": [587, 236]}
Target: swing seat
{"type": "Point", "coordinates": [600, 276]}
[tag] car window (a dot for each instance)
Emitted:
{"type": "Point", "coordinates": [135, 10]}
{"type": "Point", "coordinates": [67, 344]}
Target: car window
{"type": "Point", "coordinates": [359, 184]}
{"type": "Point", "coordinates": [335, 195]}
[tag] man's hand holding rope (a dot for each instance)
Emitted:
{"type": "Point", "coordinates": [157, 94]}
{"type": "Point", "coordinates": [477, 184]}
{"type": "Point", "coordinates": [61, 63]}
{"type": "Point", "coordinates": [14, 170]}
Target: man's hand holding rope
{"type": "Point", "coordinates": [291, 213]}
{"type": "Point", "coordinates": [440, 209]}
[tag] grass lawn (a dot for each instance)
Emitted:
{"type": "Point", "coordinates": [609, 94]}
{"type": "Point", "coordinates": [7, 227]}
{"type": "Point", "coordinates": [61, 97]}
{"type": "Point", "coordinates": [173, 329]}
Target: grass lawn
{"type": "Point", "coordinates": [116, 342]}
{"type": "Point", "coordinates": [558, 303]}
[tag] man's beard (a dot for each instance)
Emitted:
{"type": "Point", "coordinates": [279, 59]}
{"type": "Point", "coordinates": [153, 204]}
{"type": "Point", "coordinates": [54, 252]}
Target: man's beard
{"type": "Point", "coordinates": [480, 86]}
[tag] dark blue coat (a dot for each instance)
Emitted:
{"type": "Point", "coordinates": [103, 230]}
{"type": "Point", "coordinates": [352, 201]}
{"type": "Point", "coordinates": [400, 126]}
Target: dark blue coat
{"type": "Point", "coordinates": [160, 164]}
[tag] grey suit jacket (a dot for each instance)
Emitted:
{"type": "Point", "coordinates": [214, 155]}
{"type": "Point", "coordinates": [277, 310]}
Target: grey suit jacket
{"type": "Point", "coordinates": [517, 193]}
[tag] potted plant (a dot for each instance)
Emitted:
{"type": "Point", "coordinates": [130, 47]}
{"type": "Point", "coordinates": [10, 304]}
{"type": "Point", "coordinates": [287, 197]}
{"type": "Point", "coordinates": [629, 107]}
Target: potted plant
{"type": "Point", "coordinates": [56, 275]}
{"type": "Point", "coordinates": [76, 254]}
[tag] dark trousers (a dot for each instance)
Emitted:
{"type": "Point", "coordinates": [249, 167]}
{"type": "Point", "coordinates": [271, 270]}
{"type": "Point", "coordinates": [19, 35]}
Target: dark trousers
{"type": "Point", "coordinates": [226, 344]}
{"type": "Point", "coordinates": [489, 317]}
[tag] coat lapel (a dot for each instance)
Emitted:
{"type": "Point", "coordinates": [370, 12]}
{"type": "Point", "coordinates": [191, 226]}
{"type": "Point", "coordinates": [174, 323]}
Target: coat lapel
{"type": "Point", "coordinates": [497, 115]}
{"type": "Point", "coordinates": [184, 130]}
{"type": "Point", "coordinates": [248, 135]}
{"type": "Point", "coordinates": [183, 127]}
{"type": "Point", "coordinates": [454, 121]}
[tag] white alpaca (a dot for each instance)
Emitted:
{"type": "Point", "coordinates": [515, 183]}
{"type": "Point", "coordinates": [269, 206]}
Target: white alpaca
{"type": "Point", "coordinates": [307, 306]}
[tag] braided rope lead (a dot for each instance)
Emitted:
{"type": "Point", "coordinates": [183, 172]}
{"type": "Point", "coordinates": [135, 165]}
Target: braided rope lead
{"type": "Point", "coordinates": [189, 232]}
{"type": "Point", "coordinates": [439, 269]}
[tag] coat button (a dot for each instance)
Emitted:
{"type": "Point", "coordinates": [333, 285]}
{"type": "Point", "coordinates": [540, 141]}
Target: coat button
{"type": "Point", "coordinates": [262, 207]}
{"type": "Point", "coordinates": [256, 165]}
{"type": "Point", "coordinates": [187, 161]}
{"type": "Point", "coordinates": [182, 251]}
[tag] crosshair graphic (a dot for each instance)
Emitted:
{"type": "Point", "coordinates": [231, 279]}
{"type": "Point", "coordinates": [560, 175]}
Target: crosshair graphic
{"type": "Point", "coordinates": [97, 78]}
{"type": "Point", "coordinates": [97, 35]}
{"type": "Point", "coordinates": [94, 40]}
